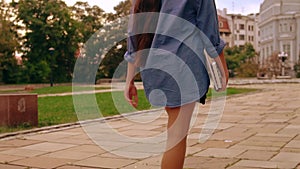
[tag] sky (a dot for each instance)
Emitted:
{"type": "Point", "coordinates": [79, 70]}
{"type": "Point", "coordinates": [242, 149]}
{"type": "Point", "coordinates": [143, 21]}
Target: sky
{"type": "Point", "coordinates": [233, 6]}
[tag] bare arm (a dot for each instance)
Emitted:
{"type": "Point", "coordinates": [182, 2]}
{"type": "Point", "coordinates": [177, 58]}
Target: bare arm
{"type": "Point", "coordinates": [130, 92]}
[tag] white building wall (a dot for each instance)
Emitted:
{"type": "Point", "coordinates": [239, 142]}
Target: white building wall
{"type": "Point", "coordinates": [279, 23]}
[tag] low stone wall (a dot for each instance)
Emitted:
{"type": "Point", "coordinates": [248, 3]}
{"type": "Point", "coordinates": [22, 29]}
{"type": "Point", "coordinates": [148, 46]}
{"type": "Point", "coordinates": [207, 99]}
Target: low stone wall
{"type": "Point", "coordinates": [18, 109]}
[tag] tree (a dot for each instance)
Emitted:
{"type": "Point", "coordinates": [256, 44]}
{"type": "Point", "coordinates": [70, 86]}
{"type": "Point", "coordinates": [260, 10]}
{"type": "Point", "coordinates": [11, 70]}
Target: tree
{"type": "Point", "coordinates": [8, 42]}
{"type": "Point", "coordinates": [271, 67]}
{"type": "Point", "coordinates": [48, 24]}
{"type": "Point", "coordinates": [122, 10]}
{"type": "Point", "coordinates": [242, 61]}
{"type": "Point", "coordinates": [116, 54]}
{"type": "Point", "coordinates": [90, 18]}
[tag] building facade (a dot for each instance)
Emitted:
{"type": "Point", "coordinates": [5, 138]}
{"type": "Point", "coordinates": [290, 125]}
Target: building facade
{"type": "Point", "coordinates": [243, 29]}
{"type": "Point", "coordinates": [279, 24]}
{"type": "Point", "coordinates": [224, 30]}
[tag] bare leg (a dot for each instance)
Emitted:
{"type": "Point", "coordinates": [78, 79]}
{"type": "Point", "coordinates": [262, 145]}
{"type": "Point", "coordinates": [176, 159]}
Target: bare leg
{"type": "Point", "coordinates": [178, 127]}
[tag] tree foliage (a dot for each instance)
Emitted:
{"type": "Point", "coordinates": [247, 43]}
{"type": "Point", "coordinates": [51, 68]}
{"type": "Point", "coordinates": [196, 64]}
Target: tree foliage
{"type": "Point", "coordinates": [47, 24]}
{"type": "Point", "coordinates": [8, 42]}
{"type": "Point", "coordinates": [50, 24]}
{"type": "Point", "coordinates": [91, 19]}
{"type": "Point", "coordinates": [115, 55]}
{"type": "Point", "coordinates": [241, 61]}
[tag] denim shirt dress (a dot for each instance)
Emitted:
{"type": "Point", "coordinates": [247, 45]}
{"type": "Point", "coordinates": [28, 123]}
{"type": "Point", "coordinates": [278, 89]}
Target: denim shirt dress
{"type": "Point", "coordinates": [175, 72]}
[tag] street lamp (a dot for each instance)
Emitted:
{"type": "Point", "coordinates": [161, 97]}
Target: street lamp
{"type": "Point", "coordinates": [282, 56]}
{"type": "Point", "coordinates": [51, 51]}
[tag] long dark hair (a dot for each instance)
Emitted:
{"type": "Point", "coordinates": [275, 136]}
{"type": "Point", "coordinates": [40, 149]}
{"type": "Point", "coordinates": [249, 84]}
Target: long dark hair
{"type": "Point", "coordinates": [145, 40]}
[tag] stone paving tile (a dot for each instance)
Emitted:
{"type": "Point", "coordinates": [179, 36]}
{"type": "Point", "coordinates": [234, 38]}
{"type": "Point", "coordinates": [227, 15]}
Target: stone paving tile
{"type": "Point", "coordinates": [270, 138]}
{"type": "Point", "coordinates": [258, 155]}
{"type": "Point", "coordinates": [265, 164]}
{"type": "Point", "coordinates": [87, 149]}
{"type": "Point", "coordinates": [68, 154]}
{"type": "Point", "coordinates": [74, 141]}
{"type": "Point", "coordinates": [23, 152]}
{"type": "Point", "coordinates": [296, 121]}
{"type": "Point", "coordinates": [49, 147]}
{"type": "Point", "coordinates": [263, 143]}
{"type": "Point", "coordinates": [220, 152]}
{"type": "Point", "coordinates": [141, 166]}
{"type": "Point", "coordinates": [240, 167]}
{"type": "Point", "coordinates": [269, 128]}
{"type": "Point", "coordinates": [293, 144]}
{"type": "Point", "coordinates": [208, 163]}
{"type": "Point", "coordinates": [82, 136]}
{"type": "Point", "coordinates": [14, 143]}
{"type": "Point", "coordinates": [231, 118]}
{"type": "Point", "coordinates": [232, 135]}
{"type": "Point", "coordinates": [105, 162]}
{"type": "Point", "coordinates": [116, 124]}
{"type": "Point", "coordinates": [149, 163]}
{"type": "Point", "coordinates": [287, 136]}
{"type": "Point", "coordinates": [287, 156]}
{"type": "Point", "coordinates": [143, 149]}
{"type": "Point", "coordinates": [221, 126]}
{"type": "Point", "coordinates": [215, 144]}
{"type": "Point", "coordinates": [6, 166]}
{"type": "Point", "coordinates": [42, 162]}
{"type": "Point", "coordinates": [74, 167]}
{"type": "Point", "coordinates": [141, 133]}
{"type": "Point", "coordinates": [50, 136]}
{"type": "Point", "coordinates": [292, 129]}
{"type": "Point", "coordinates": [113, 144]}
{"type": "Point", "coordinates": [140, 126]}
{"type": "Point", "coordinates": [260, 148]}
{"type": "Point", "coordinates": [291, 150]}
{"type": "Point", "coordinates": [9, 158]}
{"type": "Point", "coordinates": [128, 154]}
{"type": "Point", "coordinates": [4, 149]}
{"type": "Point", "coordinates": [193, 150]}
{"type": "Point", "coordinates": [298, 137]}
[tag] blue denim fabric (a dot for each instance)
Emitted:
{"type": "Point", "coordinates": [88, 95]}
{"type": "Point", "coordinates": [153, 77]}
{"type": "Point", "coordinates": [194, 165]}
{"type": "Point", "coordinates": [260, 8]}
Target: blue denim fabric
{"type": "Point", "coordinates": [200, 13]}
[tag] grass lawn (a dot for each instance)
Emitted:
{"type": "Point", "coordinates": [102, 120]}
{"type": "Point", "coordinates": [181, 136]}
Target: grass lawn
{"type": "Point", "coordinates": [60, 110]}
{"type": "Point", "coordinates": [52, 90]}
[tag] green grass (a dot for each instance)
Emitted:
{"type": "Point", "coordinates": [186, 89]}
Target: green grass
{"type": "Point", "coordinates": [53, 90]}
{"type": "Point", "coordinates": [63, 89]}
{"type": "Point", "coordinates": [60, 110]}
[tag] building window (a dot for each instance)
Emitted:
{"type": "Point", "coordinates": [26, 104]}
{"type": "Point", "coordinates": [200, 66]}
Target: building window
{"type": "Point", "coordinates": [221, 24]}
{"type": "Point", "coordinates": [250, 38]}
{"type": "Point", "coordinates": [242, 26]}
{"type": "Point", "coordinates": [272, 49]}
{"type": "Point", "coordinates": [250, 28]}
{"type": "Point", "coordinates": [235, 37]}
{"type": "Point", "coordinates": [291, 28]}
{"type": "Point", "coordinates": [287, 49]}
{"type": "Point", "coordinates": [242, 37]}
{"type": "Point", "coordinates": [284, 27]}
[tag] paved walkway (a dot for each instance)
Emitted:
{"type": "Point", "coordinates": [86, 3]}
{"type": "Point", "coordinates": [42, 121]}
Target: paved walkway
{"type": "Point", "coordinates": [258, 130]}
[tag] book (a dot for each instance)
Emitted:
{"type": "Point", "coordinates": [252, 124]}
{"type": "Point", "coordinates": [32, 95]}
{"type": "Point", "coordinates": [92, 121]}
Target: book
{"type": "Point", "coordinates": [214, 72]}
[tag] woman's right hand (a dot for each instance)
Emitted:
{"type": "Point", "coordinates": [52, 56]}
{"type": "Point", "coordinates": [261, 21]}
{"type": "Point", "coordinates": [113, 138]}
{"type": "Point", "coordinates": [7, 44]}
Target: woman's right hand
{"type": "Point", "coordinates": [131, 95]}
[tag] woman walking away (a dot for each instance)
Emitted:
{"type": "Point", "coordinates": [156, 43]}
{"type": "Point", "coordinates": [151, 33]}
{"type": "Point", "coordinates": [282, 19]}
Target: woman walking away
{"type": "Point", "coordinates": [167, 79]}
